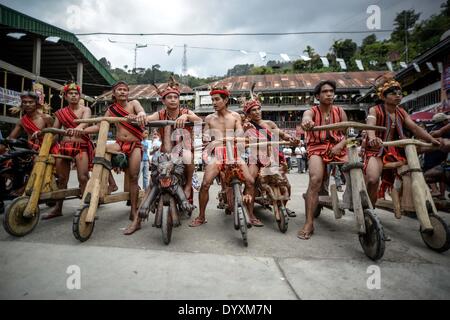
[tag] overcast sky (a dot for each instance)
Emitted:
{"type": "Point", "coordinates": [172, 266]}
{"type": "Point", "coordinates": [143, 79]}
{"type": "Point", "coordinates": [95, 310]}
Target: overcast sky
{"type": "Point", "coordinates": [211, 16]}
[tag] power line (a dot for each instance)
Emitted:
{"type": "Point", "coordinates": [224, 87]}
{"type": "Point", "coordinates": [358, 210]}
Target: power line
{"type": "Point", "coordinates": [231, 34]}
{"type": "Point", "coordinates": [196, 47]}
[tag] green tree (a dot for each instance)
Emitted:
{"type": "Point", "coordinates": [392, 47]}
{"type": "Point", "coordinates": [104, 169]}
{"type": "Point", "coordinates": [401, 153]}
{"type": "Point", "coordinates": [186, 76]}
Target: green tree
{"type": "Point", "coordinates": [261, 70]}
{"type": "Point", "coordinates": [299, 66]}
{"type": "Point", "coordinates": [240, 70]}
{"type": "Point", "coordinates": [403, 22]}
{"type": "Point", "coordinates": [428, 32]}
{"type": "Point", "coordinates": [104, 62]}
{"type": "Point", "coordinates": [344, 49]}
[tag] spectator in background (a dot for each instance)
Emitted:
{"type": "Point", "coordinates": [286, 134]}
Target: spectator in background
{"type": "Point", "coordinates": [433, 161]}
{"type": "Point", "coordinates": [287, 154]}
{"type": "Point", "coordinates": [154, 146]}
{"type": "Point", "coordinates": [446, 102]}
{"type": "Point", "coordinates": [145, 162]}
{"type": "Point", "coordinates": [300, 154]}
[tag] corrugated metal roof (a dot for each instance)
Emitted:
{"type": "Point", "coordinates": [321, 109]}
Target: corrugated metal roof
{"type": "Point", "coordinates": [302, 81]}
{"type": "Point", "coordinates": [145, 91]}
{"type": "Point", "coordinates": [20, 21]}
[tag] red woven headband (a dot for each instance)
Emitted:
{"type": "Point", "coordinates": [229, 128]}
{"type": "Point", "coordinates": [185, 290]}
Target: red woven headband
{"type": "Point", "coordinates": [250, 105]}
{"type": "Point", "coordinates": [224, 92]}
{"type": "Point", "coordinates": [71, 86]}
{"type": "Point", "coordinates": [170, 90]}
{"type": "Point", "coordinates": [120, 83]}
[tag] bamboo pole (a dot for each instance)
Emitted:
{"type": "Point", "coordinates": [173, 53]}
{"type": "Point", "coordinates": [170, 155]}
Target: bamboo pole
{"type": "Point", "coordinates": [96, 177]}
{"type": "Point", "coordinates": [39, 172]}
{"type": "Point", "coordinates": [419, 187]}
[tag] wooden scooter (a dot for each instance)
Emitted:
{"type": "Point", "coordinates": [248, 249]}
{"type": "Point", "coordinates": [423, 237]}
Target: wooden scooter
{"type": "Point", "coordinates": [272, 192]}
{"type": "Point", "coordinates": [96, 192]}
{"type": "Point", "coordinates": [22, 215]}
{"type": "Point", "coordinates": [415, 196]}
{"type": "Point", "coordinates": [370, 231]}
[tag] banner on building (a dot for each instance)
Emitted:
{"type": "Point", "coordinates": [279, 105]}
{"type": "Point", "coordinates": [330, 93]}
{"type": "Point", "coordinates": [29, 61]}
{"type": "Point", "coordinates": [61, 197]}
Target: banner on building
{"type": "Point", "coordinates": [9, 97]}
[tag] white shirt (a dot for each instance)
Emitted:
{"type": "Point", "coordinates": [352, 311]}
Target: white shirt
{"type": "Point", "coordinates": [287, 152]}
{"type": "Point", "coordinates": [300, 152]}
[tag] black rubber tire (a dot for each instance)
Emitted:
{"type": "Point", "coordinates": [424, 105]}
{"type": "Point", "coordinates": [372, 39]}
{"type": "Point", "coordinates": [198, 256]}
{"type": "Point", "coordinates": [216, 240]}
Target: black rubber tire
{"type": "Point", "coordinates": [439, 239]}
{"type": "Point", "coordinates": [373, 242]}
{"type": "Point", "coordinates": [167, 225]}
{"type": "Point", "coordinates": [15, 223]}
{"type": "Point", "coordinates": [242, 225]}
{"type": "Point", "coordinates": [284, 219]}
{"type": "Point", "coordinates": [82, 230]}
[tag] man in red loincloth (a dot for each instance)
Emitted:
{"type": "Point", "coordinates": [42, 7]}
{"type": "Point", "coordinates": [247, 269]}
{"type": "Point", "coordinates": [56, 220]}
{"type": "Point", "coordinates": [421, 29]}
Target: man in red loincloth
{"type": "Point", "coordinates": [128, 142]}
{"type": "Point", "coordinates": [323, 147]}
{"type": "Point", "coordinates": [75, 144]}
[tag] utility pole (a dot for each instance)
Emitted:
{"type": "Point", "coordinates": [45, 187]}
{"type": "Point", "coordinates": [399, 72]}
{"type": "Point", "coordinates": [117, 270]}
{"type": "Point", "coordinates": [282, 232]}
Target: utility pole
{"type": "Point", "coordinates": [138, 46]}
{"type": "Point", "coordinates": [184, 62]}
{"type": "Point", "coordinates": [406, 40]}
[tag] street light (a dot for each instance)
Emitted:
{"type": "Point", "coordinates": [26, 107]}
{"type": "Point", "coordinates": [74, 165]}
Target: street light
{"type": "Point", "coordinates": [16, 35]}
{"type": "Point", "coordinates": [53, 39]}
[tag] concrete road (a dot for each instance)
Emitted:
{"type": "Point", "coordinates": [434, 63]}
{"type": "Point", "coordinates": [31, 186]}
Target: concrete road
{"type": "Point", "coordinates": [210, 262]}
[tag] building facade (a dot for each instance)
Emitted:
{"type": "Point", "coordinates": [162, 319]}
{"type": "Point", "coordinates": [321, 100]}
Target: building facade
{"type": "Point", "coordinates": [286, 97]}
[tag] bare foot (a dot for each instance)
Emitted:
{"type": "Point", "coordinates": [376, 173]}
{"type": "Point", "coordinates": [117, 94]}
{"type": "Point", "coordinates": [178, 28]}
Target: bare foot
{"type": "Point", "coordinates": [132, 228]}
{"type": "Point", "coordinates": [306, 232]}
{"type": "Point", "coordinates": [54, 214]}
{"type": "Point", "coordinates": [197, 222]}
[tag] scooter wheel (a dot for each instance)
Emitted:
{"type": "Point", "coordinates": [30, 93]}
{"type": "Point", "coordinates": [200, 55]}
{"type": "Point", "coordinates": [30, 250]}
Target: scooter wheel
{"type": "Point", "coordinates": [373, 240]}
{"type": "Point", "coordinates": [81, 229]}
{"type": "Point", "coordinates": [15, 223]}
{"type": "Point", "coordinates": [167, 225]}
{"type": "Point", "coordinates": [242, 225]}
{"type": "Point", "coordinates": [439, 239]}
{"type": "Point", "coordinates": [284, 219]}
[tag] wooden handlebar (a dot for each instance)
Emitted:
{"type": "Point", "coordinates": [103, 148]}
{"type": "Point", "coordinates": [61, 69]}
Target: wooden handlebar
{"type": "Point", "coordinates": [406, 142]}
{"type": "Point", "coordinates": [347, 124]}
{"type": "Point", "coordinates": [54, 131]}
{"type": "Point", "coordinates": [157, 123]}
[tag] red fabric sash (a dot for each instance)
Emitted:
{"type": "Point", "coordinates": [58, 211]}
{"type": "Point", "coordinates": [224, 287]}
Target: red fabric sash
{"type": "Point", "coordinates": [262, 134]}
{"type": "Point", "coordinates": [66, 116]}
{"type": "Point", "coordinates": [28, 125]}
{"type": "Point", "coordinates": [117, 110]}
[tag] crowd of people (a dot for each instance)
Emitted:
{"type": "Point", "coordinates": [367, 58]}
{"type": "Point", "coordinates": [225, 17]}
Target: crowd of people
{"type": "Point", "coordinates": [316, 155]}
